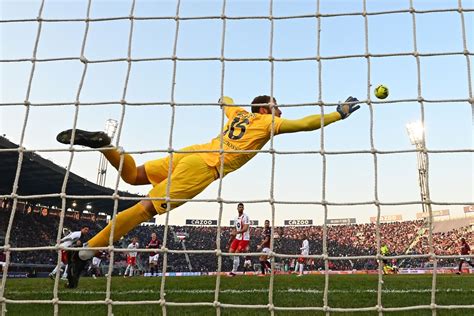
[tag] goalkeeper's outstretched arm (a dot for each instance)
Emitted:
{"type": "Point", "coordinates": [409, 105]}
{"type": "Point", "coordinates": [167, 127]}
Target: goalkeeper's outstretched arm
{"type": "Point", "coordinates": [313, 122]}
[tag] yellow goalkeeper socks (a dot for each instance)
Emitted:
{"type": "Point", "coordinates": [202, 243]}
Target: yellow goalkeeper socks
{"type": "Point", "coordinates": [129, 169]}
{"type": "Point", "coordinates": [125, 222]}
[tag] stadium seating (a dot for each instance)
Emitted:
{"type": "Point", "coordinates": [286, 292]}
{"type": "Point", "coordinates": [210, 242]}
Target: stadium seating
{"type": "Point", "coordinates": [343, 240]}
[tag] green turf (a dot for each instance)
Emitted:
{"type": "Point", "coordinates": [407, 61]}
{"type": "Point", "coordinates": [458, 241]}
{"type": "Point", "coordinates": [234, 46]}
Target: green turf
{"type": "Point", "coordinates": [345, 291]}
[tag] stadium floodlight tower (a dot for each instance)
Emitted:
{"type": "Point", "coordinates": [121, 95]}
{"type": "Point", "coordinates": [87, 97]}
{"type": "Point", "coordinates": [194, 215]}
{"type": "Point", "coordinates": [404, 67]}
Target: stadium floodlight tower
{"type": "Point", "coordinates": [416, 132]}
{"type": "Point", "coordinates": [110, 129]}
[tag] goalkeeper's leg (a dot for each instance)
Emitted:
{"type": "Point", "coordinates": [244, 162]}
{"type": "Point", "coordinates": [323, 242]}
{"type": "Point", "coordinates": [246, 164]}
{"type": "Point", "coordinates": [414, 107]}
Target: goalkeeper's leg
{"type": "Point", "coordinates": [190, 177]}
{"type": "Point", "coordinates": [124, 222]}
{"type": "Point", "coordinates": [130, 173]}
{"type": "Point", "coordinates": [152, 172]}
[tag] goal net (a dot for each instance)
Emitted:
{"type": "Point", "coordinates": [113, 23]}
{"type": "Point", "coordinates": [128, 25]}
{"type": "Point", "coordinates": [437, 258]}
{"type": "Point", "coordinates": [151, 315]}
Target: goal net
{"type": "Point", "coordinates": [159, 68]}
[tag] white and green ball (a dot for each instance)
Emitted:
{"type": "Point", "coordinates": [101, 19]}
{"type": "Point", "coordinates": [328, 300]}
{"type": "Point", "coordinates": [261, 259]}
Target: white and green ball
{"type": "Point", "coordinates": [381, 91]}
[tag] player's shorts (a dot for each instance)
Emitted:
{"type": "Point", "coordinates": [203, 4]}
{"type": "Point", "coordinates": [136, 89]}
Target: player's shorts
{"type": "Point", "coordinates": [239, 245]}
{"type": "Point", "coordinates": [131, 260]}
{"type": "Point", "coordinates": [64, 256]}
{"type": "Point", "coordinates": [190, 176]}
{"type": "Point", "coordinates": [153, 259]}
{"type": "Point", "coordinates": [301, 260]}
{"type": "Point", "coordinates": [96, 261]}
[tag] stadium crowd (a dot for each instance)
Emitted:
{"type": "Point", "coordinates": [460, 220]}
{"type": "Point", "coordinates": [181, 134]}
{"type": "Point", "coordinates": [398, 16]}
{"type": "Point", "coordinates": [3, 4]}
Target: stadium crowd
{"type": "Point", "coordinates": [30, 230]}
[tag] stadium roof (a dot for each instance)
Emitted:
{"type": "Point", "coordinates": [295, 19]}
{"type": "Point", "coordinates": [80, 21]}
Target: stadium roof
{"type": "Point", "coordinates": [41, 176]}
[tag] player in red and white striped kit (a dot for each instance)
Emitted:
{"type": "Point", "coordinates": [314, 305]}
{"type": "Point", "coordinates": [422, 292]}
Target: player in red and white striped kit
{"type": "Point", "coordinates": [241, 237]}
{"type": "Point", "coordinates": [304, 252]}
{"type": "Point", "coordinates": [131, 257]}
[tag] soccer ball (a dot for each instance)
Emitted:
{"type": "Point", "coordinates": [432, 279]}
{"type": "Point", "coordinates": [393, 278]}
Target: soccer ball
{"type": "Point", "coordinates": [381, 91]}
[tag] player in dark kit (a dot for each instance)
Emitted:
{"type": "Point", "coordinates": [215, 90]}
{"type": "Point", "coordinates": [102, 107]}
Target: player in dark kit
{"type": "Point", "coordinates": [465, 250]}
{"type": "Point", "coordinates": [154, 243]}
{"type": "Point", "coordinates": [265, 247]}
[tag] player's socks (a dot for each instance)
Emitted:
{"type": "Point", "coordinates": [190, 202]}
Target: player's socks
{"type": "Point", "coordinates": [131, 271]}
{"type": "Point", "coordinates": [129, 168]}
{"type": "Point", "coordinates": [125, 222]}
{"type": "Point", "coordinates": [263, 265]}
{"type": "Point", "coordinates": [236, 264]}
{"type": "Point", "coordinates": [301, 268]}
{"type": "Point", "coordinates": [65, 273]}
{"type": "Point", "coordinates": [269, 265]}
{"type": "Point", "coordinates": [54, 271]}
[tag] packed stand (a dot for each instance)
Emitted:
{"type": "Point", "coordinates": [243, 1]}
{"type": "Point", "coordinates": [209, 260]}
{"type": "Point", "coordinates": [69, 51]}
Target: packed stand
{"type": "Point", "coordinates": [31, 230]}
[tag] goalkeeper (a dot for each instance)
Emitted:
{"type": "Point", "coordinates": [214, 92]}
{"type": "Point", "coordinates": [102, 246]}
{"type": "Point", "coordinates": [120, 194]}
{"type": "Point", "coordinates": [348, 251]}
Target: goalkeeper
{"type": "Point", "coordinates": [191, 173]}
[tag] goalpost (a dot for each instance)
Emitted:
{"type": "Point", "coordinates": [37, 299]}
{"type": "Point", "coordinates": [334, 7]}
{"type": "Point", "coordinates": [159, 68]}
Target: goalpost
{"type": "Point", "coordinates": [272, 199]}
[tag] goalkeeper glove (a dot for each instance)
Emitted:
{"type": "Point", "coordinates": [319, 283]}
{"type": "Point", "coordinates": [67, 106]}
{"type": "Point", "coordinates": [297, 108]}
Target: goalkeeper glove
{"type": "Point", "coordinates": [349, 106]}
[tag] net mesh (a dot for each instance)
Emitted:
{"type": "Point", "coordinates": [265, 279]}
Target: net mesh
{"type": "Point", "coordinates": [272, 305]}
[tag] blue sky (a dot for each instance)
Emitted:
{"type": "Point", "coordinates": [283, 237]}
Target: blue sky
{"type": "Point", "coordinates": [350, 178]}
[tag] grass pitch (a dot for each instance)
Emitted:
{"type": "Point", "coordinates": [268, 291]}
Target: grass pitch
{"type": "Point", "coordinates": [345, 291]}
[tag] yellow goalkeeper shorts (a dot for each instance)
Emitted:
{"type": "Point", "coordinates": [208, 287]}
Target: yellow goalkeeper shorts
{"type": "Point", "coordinates": [190, 175]}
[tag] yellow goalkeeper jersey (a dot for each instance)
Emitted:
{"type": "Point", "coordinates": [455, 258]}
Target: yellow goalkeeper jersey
{"type": "Point", "coordinates": [243, 131]}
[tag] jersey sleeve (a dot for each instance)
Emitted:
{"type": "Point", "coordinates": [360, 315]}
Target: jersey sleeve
{"type": "Point", "coordinates": [276, 124]}
{"type": "Point", "coordinates": [72, 236]}
{"type": "Point", "coordinates": [68, 237]}
{"type": "Point", "coordinates": [308, 123]}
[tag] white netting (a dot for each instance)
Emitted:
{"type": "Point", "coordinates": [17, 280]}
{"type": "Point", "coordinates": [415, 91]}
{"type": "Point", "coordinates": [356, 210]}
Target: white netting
{"type": "Point", "coordinates": [272, 305]}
